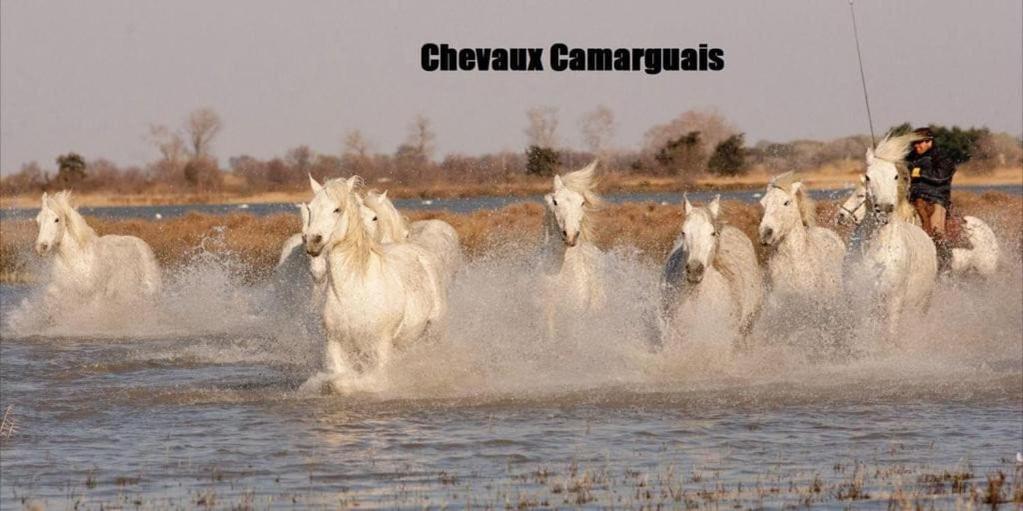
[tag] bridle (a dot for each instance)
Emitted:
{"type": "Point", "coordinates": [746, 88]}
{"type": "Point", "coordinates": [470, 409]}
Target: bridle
{"type": "Point", "coordinates": [852, 212]}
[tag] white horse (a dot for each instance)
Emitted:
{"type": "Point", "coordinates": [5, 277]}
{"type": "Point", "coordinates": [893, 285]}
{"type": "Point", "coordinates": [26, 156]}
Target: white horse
{"type": "Point", "coordinates": [981, 258]}
{"type": "Point", "coordinates": [297, 270]}
{"type": "Point", "coordinates": [899, 257]}
{"type": "Point", "coordinates": [805, 261]}
{"type": "Point", "coordinates": [435, 235]}
{"type": "Point", "coordinates": [723, 285]}
{"type": "Point", "coordinates": [380, 297]}
{"type": "Point", "coordinates": [574, 275]}
{"type": "Point", "coordinates": [88, 267]}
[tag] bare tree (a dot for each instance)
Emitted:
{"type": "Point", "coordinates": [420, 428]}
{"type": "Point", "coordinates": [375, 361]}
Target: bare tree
{"type": "Point", "coordinates": [202, 125]}
{"type": "Point", "coordinates": [598, 127]}
{"type": "Point", "coordinates": [421, 136]}
{"type": "Point", "coordinates": [543, 126]}
{"type": "Point", "coordinates": [169, 143]}
{"type": "Point", "coordinates": [355, 144]}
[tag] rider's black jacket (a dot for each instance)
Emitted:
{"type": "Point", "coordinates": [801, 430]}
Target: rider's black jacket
{"type": "Point", "coordinates": [931, 176]}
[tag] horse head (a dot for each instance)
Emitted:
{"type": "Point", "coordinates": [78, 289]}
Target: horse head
{"type": "Point", "coordinates": [52, 224]}
{"type": "Point", "coordinates": [700, 234]}
{"type": "Point", "coordinates": [573, 195]}
{"type": "Point", "coordinates": [330, 213]}
{"type": "Point", "coordinates": [886, 178]}
{"type": "Point", "coordinates": [854, 208]}
{"type": "Point", "coordinates": [782, 213]}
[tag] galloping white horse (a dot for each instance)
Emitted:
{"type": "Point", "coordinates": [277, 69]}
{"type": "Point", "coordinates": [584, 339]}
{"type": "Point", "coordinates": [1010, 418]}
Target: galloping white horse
{"type": "Point", "coordinates": [575, 276]}
{"type": "Point", "coordinates": [723, 281]}
{"type": "Point", "coordinates": [380, 297]}
{"type": "Point", "coordinates": [88, 267]}
{"type": "Point", "coordinates": [805, 260]}
{"type": "Point", "coordinates": [981, 259]}
{"type": "Point", "coordinates": [435, 235]}
{"type": "Point", "coordinates": [297, 270]}
{"type": "Point", "coordinates": [899, 257]}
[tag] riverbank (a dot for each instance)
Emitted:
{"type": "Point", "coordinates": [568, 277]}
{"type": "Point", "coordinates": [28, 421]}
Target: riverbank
{"type": "Point", "coordinates": [255, 241]}
{"type": "Point", "coordinates": [827, 178]}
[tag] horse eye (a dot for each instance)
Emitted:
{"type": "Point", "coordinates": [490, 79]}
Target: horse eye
{"type": "Point", "coordinates": [896, 177]}
{"type": "Point", "coordinates": [555, 201]}
{"type": "Point", "coordinates": [788, 202]}
{"type": "Point", "coordinates": [374, 219]}
{"type": "Point", "coordinates": [338, 210]}
{"type": "Point", "coordinates": [55, 220]}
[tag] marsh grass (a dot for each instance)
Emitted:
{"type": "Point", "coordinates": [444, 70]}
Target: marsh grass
{"type": "Point", "coordinates": [647, 227]}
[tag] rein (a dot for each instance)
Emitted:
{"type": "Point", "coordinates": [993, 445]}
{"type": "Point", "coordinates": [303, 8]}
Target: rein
{"type": "Point", "coordinates": [852, 212]}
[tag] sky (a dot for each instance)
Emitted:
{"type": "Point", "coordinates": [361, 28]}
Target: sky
{"type": "Point", "coordinates": [93, 76]}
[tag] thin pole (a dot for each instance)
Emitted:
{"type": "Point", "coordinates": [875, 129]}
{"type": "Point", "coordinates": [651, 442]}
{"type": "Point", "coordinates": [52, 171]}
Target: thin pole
{"type": "Point", "coordinates": [863, 79]}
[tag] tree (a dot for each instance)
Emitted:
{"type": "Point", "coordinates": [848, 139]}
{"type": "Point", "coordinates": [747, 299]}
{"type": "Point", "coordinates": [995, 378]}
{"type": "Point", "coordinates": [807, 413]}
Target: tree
{"type": "Point", "coordinates": [300, 159]}
{"type": "Point", "coordinates": [541, 161]}
{"type": "Point", "coordinates": [201, 126]}
{"type": "Point", "coordinates": [421, 137]}
{"type": "Point", "coordinates": [203, 174]}
{"type": "Point", "coordinates": [70, 169]}
{"type": "Point", "coordinates": [956, 143]}
{"type": "Point", "coordinates": [355, 144]}
{"type": "Point", "coordinates": [729, 157]}
{"type": "Point", "coordinates": [169, 143]}
{"type": "Point", "coordinates": [597, 128]}
{"type": "Point", "coordinates": [683, 156]}
{"type": "Point", "coordinates": [713, 128]}
{"type": "Point", "coordinates": [543, 126]}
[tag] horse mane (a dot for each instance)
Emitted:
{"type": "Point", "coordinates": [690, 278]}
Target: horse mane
{"type": "Point", "coordinates": [584, 182]}
{"type": "Point", "coordinates": [389, 219]}
{"type": "Point", "coordinates": [357, 239]}
{"type": "Point", "coordinates": [807, 206]}
{"type": "Point", "coordinates": [894, 148]}
{"type": "Point", "coordinates": [74, 222]}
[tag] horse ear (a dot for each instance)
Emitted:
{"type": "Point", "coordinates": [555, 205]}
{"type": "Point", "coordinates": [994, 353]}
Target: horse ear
{"type": "Point", "coordinates": [870, 156]}
{"type": "Point", "coordinates": [863, 179]}
{"type": "Point", "coordinates": [304, 208]}
{"type": "Point", "coordinates": [798, 185]}
{"type": "Point", "coordinates": [688, 205]}
{"type": "Point", "coordinates": [715, 206]}
{"type": "Point", "coordinates": [558, 183]}
{"type": "Point", "coordinates": [315, 186]}
{"type": "Point", "coordinates": [45, 196]}
{"type": "Point", "coordinates": [383, 196]}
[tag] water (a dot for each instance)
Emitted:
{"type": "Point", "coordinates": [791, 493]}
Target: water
{"type": "Point", "coordinates": [195, 403]}
{"type": "Point", "coordinates": [456, 205]}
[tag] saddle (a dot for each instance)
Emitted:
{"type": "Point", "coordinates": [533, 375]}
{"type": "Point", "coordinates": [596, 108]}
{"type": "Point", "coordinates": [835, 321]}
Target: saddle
{"type": "Point", "coordinates": [955, 224]}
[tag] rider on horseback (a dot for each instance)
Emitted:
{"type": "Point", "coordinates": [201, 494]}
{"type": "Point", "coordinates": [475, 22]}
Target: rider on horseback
{"type": "Point", "coordinates": [931, 191]}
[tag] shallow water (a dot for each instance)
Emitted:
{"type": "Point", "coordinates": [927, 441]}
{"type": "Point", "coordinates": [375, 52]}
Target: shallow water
{"type": "Point", "coordinates": [196, 403]}
{"type": "Point", "coordinates": [455, 205]}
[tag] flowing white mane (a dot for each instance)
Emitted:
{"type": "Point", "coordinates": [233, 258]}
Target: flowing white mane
{"type": "Point", "coordinates": [895, 148]}
{"type": "Point", "coordinates": [74, 222]}
{"type": "Point", "coordinates": [584, 182]}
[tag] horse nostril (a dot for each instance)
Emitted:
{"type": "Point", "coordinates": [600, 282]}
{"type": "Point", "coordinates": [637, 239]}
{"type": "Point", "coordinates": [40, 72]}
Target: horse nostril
{"type": "Point", "coordinates": [564, 234]}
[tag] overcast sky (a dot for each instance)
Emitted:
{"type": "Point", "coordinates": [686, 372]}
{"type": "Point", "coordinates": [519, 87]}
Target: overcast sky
{"type": "Point", "coordinates": [92, 76]}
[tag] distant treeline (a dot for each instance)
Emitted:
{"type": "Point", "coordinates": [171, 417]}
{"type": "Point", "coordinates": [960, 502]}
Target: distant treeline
{"type": "Point", "coordinates": [692, 145]}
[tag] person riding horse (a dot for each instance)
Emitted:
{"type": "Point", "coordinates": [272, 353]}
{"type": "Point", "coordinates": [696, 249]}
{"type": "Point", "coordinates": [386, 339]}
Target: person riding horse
{"type": "Point", "coordinates": [930, 191]}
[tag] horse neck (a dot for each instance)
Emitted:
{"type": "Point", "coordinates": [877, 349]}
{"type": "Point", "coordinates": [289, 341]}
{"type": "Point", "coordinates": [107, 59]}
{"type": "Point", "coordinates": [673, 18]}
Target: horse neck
{"type": "Point", "coordinates": [78, 236]}
{"type": "Point", "coordinates": [795, 241]}
{"type": "Point", "coordinates": [72, 248]}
